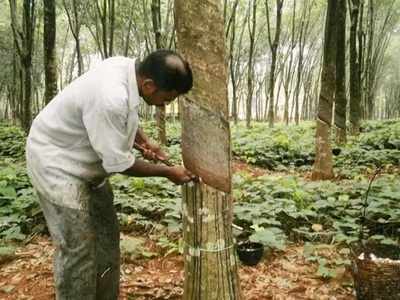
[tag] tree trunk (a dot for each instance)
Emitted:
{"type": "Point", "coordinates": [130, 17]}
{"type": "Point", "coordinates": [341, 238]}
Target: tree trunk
{"type": "Point", "coordinates": [74, 14]}
{"type": "Point", "coordinates": [340, 95]}
{"type": "Point", "coordinates": [250, 71]}
{"type": "Point", "coordinates": [304, 28]}
{"type": "Point", "coordinates": [380, 27]}
{"type": "Point", "coordinates": [49, 43]}
{"type": "Point", "coordinates": [160, 111]}
{"type": "Point", "coordinates": [13, 90]}
{"type": "Point", "coordinates": [210, 261]}
{"type": "Point", "coordinates": [323, 166]}
{"type": "Point", "coordinates": [232, 72]}
{"type": "Point", "coordinates": [274, 48]}
{"type": "Point", "coordinates": [355, 92]}
{"type": "Point", "coordinates": [23, 41]}
{"type": "Point", "coordinates": [288, 74]}
{"type": "Point", "coordinates": [299, 73]}
{"type": "Point", "coordinates": [361, 52]}
{"type": "Point", "coordinates": [28, 29]}
{"type": "Point", "coordinates": [111, 17]}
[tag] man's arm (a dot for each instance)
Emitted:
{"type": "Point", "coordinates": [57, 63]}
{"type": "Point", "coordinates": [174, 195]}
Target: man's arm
{"type": "Point", "coordinates": [177, 174]}
{"type": "Point", "coordinates": [141, 138]}
{"type": "Point", "coordinates": [149, 150]}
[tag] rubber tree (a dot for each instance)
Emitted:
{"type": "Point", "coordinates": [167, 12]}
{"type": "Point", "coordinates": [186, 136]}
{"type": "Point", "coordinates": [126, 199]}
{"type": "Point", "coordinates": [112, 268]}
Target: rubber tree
{"type": "Point", "coordinates": [355, 91]}
{"type": "Point", "coordinates": [273, 44]}
{"type": "Point", "coordinates": [74, 11]}
{"type": "Point", "coordinates": [49, 46]}
{"type": "Point", "coordinates": [303, 35]}
{"type": "Point", "coordinates": [24, 44]}
{"type": "Point", "coordinates": [250, 67]}
{"type": "Point", "coordinates": [102, 14]}
{"type": "Point", "coordinates": [210, 261]}
{"type": "Point", "coordinates": [160, 111]}
{"type": "Point", "coordinates": [323, 166]}
{"type": "Point", "coordinates": [231, 34]}
{"type": "Point", "coordinates": [380, 25]}
{"type": "Point", "coordinates": [287, 76]}
{"type": "Point", "coordinates": [340, 94]}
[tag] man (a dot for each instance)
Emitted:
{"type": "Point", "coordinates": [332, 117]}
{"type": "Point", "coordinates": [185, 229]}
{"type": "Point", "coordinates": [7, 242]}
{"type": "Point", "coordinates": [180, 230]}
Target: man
{"type": "Point", "coordinates": [85, 134]}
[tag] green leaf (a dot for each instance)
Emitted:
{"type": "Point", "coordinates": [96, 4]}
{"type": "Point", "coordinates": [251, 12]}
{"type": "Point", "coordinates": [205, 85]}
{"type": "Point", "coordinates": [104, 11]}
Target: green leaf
{"type": "Point", "coordinates": [6, 253]}
{"type": "Point", "coordinates": [269, 238]}
{"type": "Point", "coordinates": [389, 241]}
{"type": "Point", "coordinates": [13, 233]}
{"type": "Point", "coordinates": [8, 192]}
{"type": "Point", "coordinates": [308, 250]}
{"type": "Point", "coordinates": [325, 272]}
{"type": "Point", "coordinates": [132, 247]}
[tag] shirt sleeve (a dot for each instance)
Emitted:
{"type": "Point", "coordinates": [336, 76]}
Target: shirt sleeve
{"type": "Point", "coordinates": [107, 131]}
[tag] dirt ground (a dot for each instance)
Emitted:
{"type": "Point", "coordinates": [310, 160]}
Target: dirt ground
{"type": "Point", "coordinates": [282, 276]}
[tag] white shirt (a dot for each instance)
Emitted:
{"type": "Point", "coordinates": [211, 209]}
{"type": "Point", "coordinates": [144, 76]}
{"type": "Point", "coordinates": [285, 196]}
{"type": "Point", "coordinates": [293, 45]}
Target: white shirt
{"type": "Point", "coordinates": [85, 133]}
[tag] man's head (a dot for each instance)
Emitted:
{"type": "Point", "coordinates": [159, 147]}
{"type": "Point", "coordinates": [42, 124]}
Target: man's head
{"type": "Point", "coordinates": [162, 76]}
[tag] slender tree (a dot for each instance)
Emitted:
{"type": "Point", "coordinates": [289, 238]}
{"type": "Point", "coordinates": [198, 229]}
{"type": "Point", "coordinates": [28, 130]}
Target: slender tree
{"type": "Point", "coordinates": [160, 111]}
{"type": "Point", "coordinates": [287, 63]}
{"type": "Point", "coordinates": [74, 11]}
{"type": "Point", "coordinates": [378, 35]}
{"type": "Point", "coordinates": [273, 44]}
{"type": "Point", "coordinates": [24, 43]}
{"type": "Point", "coordinates": [304, 33]}
{"type": "Point", "coordinates": [355, 88]}
{"type": "Point", "coordinates": [231, 34]}
{"type": "Point", "coordinates": [49, 46]}
{"type": "Point", "coordinates": [340, 94]}
{"type": "Point", "coordinates": [210, 263]}
{"type": "Point", "coordinates": [250, 65]}
{"type": "Point", "coordinates": [323, 166]}
{"type": "Point", "coordinates": [105, 13]}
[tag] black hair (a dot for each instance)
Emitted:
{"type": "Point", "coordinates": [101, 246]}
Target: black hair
{"type": "Point", "coordinates": [168, 70]}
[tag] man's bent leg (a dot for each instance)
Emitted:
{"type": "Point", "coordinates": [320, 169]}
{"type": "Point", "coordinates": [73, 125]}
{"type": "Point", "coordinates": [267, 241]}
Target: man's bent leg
{"type": "Point", "coordinates": [75, 257]}
{"type": "Point", "coordinates": [105, 222]}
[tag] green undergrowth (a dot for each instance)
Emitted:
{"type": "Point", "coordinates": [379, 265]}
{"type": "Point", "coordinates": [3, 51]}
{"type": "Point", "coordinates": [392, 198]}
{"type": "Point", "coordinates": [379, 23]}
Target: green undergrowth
{"type": "Point", "coordinates": [20, 214]}
{"type": "Point", "coordinates": [12, 141]}
{"type": "Point", "coordinates": [293, 147]}
{"type": "Point", "coordinates": [272, 210]}
{"type": "Point", "coordinates": [329, 212]}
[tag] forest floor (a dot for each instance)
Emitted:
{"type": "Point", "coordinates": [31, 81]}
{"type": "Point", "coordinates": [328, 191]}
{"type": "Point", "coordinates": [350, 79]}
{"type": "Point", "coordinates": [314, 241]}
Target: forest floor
{"type": "Point", "coordinates": [286, 275]}
{"type": "Point", "coordinates": [283, 275]}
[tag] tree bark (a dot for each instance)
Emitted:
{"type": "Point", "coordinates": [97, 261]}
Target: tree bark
{"type": "Point", "coordinates": [304, 28]}
{"type": "Point", "coordinates": [355, 92]}
{"type": "Point", "coordinates": [250, 71]}
{"type": "Point", "coordinates": [287, 81]}
{"type": "Point", "coordinates": [160, 111]}
{"type": "Point", "coordinates": [274, 48]}
{"type": "Point", "coordinates": [232, 73]}
{"type": "Point", "coordinates": [74, 20]}
{"type": "Point", "coordinates": [24, 40]}
{"type": "Point", "coordinates": [210, 262]}
{"type": "Point", "coordinates": [323, 166]}
{"type": "Point", "coordinates": [340, 95]}
{"type": "Point", "coordinates": [49, 44]}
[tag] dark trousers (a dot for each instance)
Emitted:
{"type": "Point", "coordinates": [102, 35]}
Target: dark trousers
{"type": "Point", "coordinates": [87, 257]}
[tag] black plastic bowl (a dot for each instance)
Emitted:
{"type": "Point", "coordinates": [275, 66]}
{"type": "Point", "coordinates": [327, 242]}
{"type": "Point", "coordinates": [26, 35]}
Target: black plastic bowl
{"type": "Point", "coordinates": [250, 253]}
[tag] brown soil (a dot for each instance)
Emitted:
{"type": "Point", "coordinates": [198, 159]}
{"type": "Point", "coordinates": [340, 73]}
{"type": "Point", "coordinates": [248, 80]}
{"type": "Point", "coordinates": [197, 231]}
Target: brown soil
{"type": "Point", "coordinates": [286, 275]}
{"type": "Point", "coordinates": [281, 276]}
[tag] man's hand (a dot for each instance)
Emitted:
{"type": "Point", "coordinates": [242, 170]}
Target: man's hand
{"type": "Point", "coordinates": [180, 175]}
{"type": "Point", "coordinates": [156, 152]}
{"type": "Point", "coordinates": [152, 151]}
{"type": "Point", "coordinates": [177, 174]}
{"type": "Point", "coordinates": [149, 150]}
